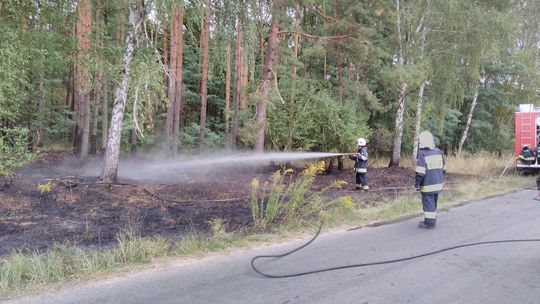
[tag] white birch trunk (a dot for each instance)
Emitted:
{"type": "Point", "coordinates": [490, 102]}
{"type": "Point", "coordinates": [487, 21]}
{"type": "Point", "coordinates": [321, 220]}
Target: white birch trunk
{"type": "Point", "coordinates": [419, 106]}
{"type": "Point", "coordinates": [398, 134]}
{"type": "Point", "coordinates": [420, 99]}
{"type": "Point", "coordinates": [469, 120]}
{"type": "Point", "coordinates": [112, 152]}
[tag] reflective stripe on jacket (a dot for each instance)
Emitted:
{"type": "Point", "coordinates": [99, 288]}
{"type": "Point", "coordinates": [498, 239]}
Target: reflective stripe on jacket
{"type": "Point", "coordinates": [361, 160]}
{"type": "Point", "coordinates": [429, 170]}
{"type": "Point", "coordinates": [527, 154]}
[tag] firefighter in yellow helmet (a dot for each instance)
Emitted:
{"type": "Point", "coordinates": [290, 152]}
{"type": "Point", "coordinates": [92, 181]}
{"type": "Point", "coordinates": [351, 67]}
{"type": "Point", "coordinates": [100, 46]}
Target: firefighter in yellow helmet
{"type": "Point", "coordinates": [360, 165]}
{"type": "Point", "coordinates": [429, 177]}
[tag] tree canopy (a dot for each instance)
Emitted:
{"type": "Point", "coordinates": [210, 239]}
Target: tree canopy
{"type": "Point", "coordinates": [309, 75]}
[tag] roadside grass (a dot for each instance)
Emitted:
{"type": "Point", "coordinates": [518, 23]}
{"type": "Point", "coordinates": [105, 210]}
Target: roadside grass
{"type": "Point", "coordinates": [409, 204]}
{"type": "Point", "coordinates": [24, 272]}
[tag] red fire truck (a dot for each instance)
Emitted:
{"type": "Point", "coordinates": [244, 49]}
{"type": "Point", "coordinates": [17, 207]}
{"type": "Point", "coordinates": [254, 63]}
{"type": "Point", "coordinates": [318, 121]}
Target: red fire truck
{"type": "Point", "coordinates": [527, 130]}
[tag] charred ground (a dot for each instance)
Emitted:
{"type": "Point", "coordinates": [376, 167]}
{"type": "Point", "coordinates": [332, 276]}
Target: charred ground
{"type": "Point", "coordinates": [85, 212]}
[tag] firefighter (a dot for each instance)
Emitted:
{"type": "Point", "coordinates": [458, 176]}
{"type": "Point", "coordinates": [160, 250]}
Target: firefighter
{"type": "Point", "coordinates": [537, 153]}
{"type": "Point", "coordinates": [429, 177]}
{"type": "Point", "coordinates": [360, 165]}
{"type": "Point", "coordinates": [538, 187]}
{"type": "Point", "coordinates": [526, 156]}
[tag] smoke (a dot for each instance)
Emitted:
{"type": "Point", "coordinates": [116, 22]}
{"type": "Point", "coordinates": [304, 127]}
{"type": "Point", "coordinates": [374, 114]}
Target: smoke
{"type": "Point", "coordinates": [214, 166]}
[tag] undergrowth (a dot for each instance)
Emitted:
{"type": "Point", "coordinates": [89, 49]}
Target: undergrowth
{"type": "Point", "coordinates": [279, 206]}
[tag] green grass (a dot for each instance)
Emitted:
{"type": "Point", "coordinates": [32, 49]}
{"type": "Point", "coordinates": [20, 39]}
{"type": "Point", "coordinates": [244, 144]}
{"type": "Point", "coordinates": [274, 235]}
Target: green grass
{"type": "Point", "coordinates": [26, 272]}
{"type": "Point", "coordinates": [409, 203]}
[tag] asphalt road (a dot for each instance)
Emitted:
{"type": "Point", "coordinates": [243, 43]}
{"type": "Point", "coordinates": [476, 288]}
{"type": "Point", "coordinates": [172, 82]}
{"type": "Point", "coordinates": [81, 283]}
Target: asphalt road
{"type": "Point", "coordinates": [499, 273]}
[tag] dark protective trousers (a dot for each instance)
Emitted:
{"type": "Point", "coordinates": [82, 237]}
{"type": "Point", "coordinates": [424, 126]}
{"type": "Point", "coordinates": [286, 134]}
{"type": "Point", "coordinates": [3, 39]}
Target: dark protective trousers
{"type": "Point", "coordinates": [361, 181]}
{"type": "Point", "coordinates": [429, 204]}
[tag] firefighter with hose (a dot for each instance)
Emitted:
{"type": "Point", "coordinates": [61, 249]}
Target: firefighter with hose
{"type": "Point", "coordinates": [360, 165]}
{"type": "Point", "coordinates": [429, 177]}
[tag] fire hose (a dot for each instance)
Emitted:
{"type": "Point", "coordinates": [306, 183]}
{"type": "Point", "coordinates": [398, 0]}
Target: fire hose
{"type": "Point", "coordinates": [303, 273]}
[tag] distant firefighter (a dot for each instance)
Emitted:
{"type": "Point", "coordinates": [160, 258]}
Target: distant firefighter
{"type": "Point", "coordinates": [527, 155]}
{"type": "Point", "coordinates": [429, 177]}
{"type": "Point", "coordinates": [537, 153]}
{"type": "Point", "coordinates": [360, 165]}
{"type": "Point", "coordinates": [538, 187]}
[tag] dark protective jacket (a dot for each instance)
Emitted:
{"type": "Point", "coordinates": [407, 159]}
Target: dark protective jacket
{"type": "Point", "coordinates": [527, 156]}
{"type": "Point", "coordinates": [429, 170]}
{"type": "Point", "coordinates": [361, 160]}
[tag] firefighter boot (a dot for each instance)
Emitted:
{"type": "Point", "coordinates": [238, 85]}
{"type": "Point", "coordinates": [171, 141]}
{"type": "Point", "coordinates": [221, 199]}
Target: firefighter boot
{"type": "Point", "coordinates": [422, 224]}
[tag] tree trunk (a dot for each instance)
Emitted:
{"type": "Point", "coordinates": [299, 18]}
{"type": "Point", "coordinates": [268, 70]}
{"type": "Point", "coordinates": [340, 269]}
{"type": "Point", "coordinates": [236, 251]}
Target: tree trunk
{"type": "Point", "coordinates": [339, 64]}
{"type": "Point", "coordinates": [112, 152]}
{"type": "Point", "coordinates": [41, 112]}
{"type": "Point", "coordinates": [238, 81]}
{"type": "Point", "coordinates": [69, 92]}
{"type": "Point", "coordinates": [339, 58]}
{"type": "Point", "coordinates": [178, 88]}
{"type": "Point", "coordinates": [260, 26]}
{"type": "Point", "coordinates": [83, 32]}
{"type": "Point", "coordinates": [324, 50]}
{"type": "Point", "coordinates": [398, 134]}
{"type": "Point", "coordinates": [420, 100]}
{"type": "Point", "coordinates": [204, 74]}
{"type": "Point", "coordinates": [469, 120]}
{"type": "Point", "coordinates": [134, 126]}
{"type": "Point", "coordinates": [123, 8]}
{"type": "Point", "coordinates": [165, 54]}
{"type": "Point", "coordinates": [105, 114]}
{"type": "Point", "coordinates": [243, 82]}
{"type": "Point", "coordinates": [266, 82]}
{"type": "Point", "coordinates": [291, 112]}
{"type": "Point", "coordinates": [227, 94]}
{"type": "Point", "coordinates": [97, 86]}
{"type": "Point", "coordinates": [97, 100]}
{"type": "Point", "coordinates": [419, 106]}
{"type": "Point", "coordinates": [171, 93]}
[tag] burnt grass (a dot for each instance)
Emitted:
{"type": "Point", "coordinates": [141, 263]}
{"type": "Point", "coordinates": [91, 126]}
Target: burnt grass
{"type": "Point", "coordinates": [89, 214]}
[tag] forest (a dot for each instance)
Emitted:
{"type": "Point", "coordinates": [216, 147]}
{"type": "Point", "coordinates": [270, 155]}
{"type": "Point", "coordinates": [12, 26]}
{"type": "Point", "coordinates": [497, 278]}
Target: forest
{"type": "Point", "coordinates": [112, 78]}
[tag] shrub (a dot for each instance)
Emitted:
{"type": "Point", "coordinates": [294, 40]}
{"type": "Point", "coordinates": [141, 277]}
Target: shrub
{"type": "Point", "coordinates": [14, 151]}
{"type": "Point", "coordinates": [287, 200]}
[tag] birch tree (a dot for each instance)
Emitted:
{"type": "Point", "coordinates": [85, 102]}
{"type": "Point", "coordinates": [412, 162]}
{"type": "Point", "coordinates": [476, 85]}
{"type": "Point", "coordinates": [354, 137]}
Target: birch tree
{"type": "Point", "coordinates": [112, 152]}
{"type": "Point", "coordinates": [402, 89]}
{"type": "Point", "coordinates": [420, 99]}
{"type": "Point", "coordinates": [469, 120]}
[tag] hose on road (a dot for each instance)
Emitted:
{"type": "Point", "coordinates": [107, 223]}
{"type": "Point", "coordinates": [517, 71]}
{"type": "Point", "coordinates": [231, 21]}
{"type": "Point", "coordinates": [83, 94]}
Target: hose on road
{"type": "Point", "coordinates": [297, 274]}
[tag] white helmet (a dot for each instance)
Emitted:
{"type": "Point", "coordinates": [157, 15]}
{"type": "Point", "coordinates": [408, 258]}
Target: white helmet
{"type": "Point", "coordinates": [425, 140]}
{"type": "Point", "coordinates": [361, 142]}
